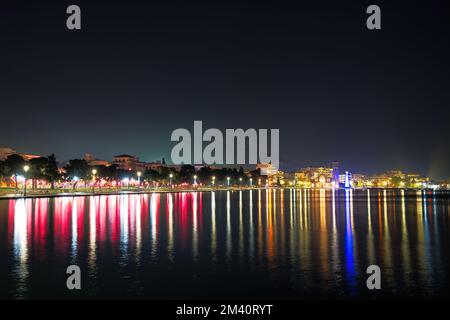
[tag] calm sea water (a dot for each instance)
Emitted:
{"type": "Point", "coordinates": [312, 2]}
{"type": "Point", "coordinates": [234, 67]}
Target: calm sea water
{"type": "Point", "coordinates": [238, 244]}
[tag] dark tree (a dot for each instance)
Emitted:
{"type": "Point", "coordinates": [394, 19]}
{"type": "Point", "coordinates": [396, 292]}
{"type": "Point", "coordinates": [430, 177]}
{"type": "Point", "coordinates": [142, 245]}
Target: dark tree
{"type": "Point", "coordinates": [13, 166]}
{"type": "Point", "coordinates": [38, 167]}
{"type": "Point", "coordinates": [151, 175]}
{"type": "Point", "coordinates": [2, 169]}
{"type": "Point", "coordinates": [51, 171]}
{"type": "Point", "coordinates": [77, 168]}
{"type": "Point", "coordinates": [205, 174]}
{"type": "Point", "coordinates": [186, 173]}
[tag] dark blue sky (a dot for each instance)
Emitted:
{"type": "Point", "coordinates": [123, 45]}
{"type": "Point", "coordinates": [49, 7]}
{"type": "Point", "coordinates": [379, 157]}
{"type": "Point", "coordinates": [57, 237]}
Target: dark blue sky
{"type": "Point", "coordinates": [375, 100]}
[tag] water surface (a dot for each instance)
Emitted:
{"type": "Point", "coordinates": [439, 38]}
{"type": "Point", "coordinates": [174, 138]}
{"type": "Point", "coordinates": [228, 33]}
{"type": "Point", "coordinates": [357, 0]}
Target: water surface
{"type": "Point", "coordinates": [295, 244]}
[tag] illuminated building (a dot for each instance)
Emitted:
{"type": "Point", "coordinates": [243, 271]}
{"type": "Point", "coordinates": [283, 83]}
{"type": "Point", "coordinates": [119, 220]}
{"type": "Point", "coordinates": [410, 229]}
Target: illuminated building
{"type": "Point", "coordinates": [267, 169]}
{"type": "Point", "coordinates": [359, 181]}
{"type": "Point", "coordinates": [126, 162]}
{"type": "Point", "coordinates": [315, 177]}
{"type": "Point", "coordinates": [5, 152]}
{"type": "Point", "coordinates": [89, 158]}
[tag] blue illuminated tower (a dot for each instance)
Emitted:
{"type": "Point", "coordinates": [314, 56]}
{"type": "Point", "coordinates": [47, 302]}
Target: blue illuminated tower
{"type": "Point", "coordinates": [348, 180]}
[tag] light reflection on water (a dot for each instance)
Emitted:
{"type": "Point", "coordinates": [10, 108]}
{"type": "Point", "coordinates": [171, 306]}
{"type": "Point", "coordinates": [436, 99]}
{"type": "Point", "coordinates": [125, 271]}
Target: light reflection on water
{"type": "Point", "coordinates": [259, 243]}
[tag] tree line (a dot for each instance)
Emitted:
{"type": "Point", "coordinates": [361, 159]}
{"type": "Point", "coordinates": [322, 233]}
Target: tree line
{"type": "Point", "coordinates": [46, 168]}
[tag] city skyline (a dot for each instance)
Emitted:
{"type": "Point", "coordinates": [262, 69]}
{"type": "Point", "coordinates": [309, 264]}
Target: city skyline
{"type": "Point", "coordinates": [135, 164]}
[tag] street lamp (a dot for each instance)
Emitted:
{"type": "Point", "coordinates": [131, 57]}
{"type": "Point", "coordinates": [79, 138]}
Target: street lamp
{"type": "Point", "coordinates": [259, 182]}
{"type": "Point", "coordinates": [195, 180]}
{"type": "Point", "coordinates": [25, 168]}
{"type": "Point", "coordinates": [75, 180]}
{"type": "Point", "coordinates": [171, 176]}
{"type": "Point", "coordinates": [228, 181]}
{"type": "Point", "coordinates": [251, 182]}
{"type": "Point", "coordinates": [213, 180]}
{"type": "Point", "coordinates": [139, 178]}
{"type": "Point", "coordinates": [94, 172]}
{"type": "Point", "coordinates": [127, 182]}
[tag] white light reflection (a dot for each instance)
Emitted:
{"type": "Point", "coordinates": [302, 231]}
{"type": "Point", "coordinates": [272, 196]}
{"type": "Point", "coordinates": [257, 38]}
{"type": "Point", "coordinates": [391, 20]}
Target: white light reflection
{"type": "Point", "coordinates": [170, 226]}
{"type": "Point", "coordinates": [228, 253]}
{"type": "Point", "coordinates": [213, 227]}
{"type": "Point", "coordinates": [74, 230]}
{"type": "Point", "coordinates": [194, 226]}
{"type": "Point", "coordinates": [20, 243]}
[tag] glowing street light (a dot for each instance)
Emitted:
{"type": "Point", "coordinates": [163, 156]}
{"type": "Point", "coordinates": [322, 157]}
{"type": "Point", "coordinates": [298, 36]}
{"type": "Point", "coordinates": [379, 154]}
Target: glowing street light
{"type": "Point", "coordinates": [171, 176]}
{"type": "Point", "coordinates": [94, 172]}
{"type": "Point", "coordinates": [228, 181]}
{"type": "Point", "coordinates": [213, 180]}
{"type": "Point", "coordinates": [25, 169]}
{"type": "Point", "coordinates": [259, 182]}
{"type": "Point", "coordinates": [195, 180]}
{"type": "Point", "coordinates": [126, 181]}
{"type": "Point", "coordinates": [75, 180]}
{"type": "Point", "coordinates": [251, 182]}
{"type": "Point", "coordinates": [139, 177]}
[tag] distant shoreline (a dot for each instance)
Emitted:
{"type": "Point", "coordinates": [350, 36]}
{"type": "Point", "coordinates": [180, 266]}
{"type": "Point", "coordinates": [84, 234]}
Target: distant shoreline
{"type": "Point", "coordinates": [57, 192]}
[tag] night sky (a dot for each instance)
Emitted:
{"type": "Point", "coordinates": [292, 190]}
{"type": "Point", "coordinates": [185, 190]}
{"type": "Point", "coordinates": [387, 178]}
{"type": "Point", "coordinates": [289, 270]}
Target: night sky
{"type": "Point", "coordinates": [374, 100]}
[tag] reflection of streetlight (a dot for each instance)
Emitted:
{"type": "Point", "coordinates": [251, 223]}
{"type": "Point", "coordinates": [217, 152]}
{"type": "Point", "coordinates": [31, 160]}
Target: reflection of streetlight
{"type": "Point", "coordinates": [139, 177]}
{"type": "Point", "coordinates": [228, 181]}
{"type": "Point", "coordinates": [25, 168]}
{"type": "Point", "coordinates": [195, 180]}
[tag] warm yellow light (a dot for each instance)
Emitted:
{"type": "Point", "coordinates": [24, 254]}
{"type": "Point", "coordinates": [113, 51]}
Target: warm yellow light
{"type": "Point", "coordinates": [94, 171]}
{"type": "Point", "coordinates": [26, 168]}
{"type": "Point", "coordinates": [171, 175]}
{"type": "Point", "coordinates": [139, 173]}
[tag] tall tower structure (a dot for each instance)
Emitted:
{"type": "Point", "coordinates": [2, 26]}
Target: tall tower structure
{"type": "Point", "coordinates": [335, 166]}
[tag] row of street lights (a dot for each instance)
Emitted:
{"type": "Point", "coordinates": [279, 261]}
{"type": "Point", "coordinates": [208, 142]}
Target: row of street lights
{"type": "Point", "coordinates": [26, 168]}
{"type": "Point", "coordinates": [139, 174]}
